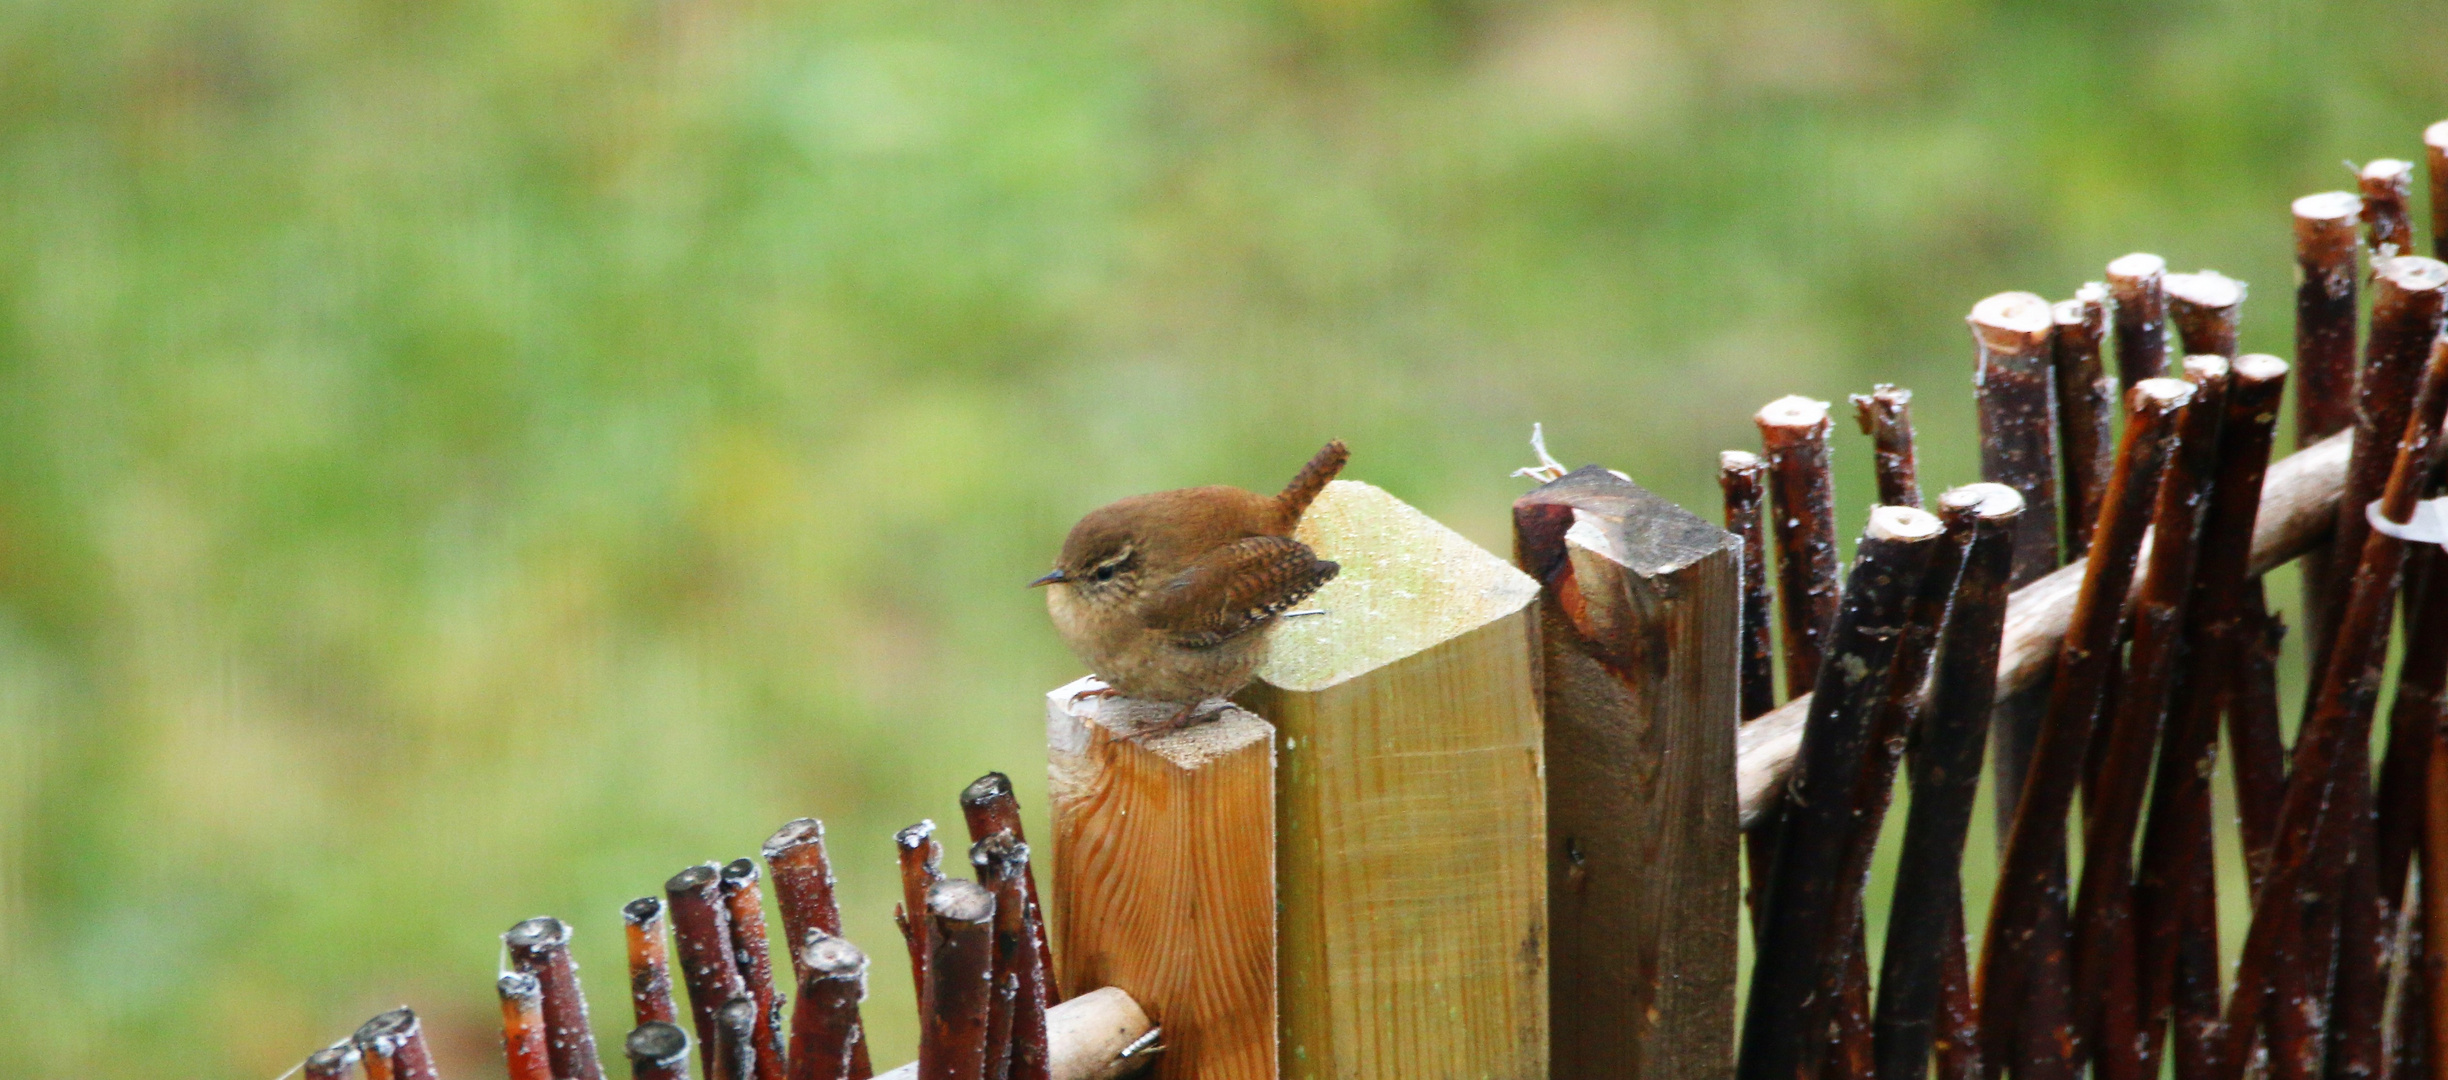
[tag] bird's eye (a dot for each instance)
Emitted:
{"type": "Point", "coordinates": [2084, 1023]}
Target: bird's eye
{"type": "Point", "coordinates": [1106, 572]}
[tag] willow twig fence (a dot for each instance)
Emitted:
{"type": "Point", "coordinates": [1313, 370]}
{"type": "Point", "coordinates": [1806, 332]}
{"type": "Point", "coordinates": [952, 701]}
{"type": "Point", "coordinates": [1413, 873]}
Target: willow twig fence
{"type": "Point", "coordinates": [1480, 818]}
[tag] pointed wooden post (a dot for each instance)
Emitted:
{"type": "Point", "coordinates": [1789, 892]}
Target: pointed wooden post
{"type": "Point", "coordinates": [1639, 632]}
{"type": "Point", "coordinates": [1164, 874]}
{"type": "Point", "coordinates": [1411, 823]}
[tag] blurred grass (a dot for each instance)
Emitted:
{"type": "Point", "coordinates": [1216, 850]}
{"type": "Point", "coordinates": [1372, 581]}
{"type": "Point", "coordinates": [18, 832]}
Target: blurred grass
{"type": "Point", "coordinates": [460, 461]}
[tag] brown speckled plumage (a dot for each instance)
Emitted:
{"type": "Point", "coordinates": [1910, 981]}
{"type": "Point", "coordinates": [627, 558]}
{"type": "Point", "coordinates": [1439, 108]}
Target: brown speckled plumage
{"type": "Point", "coordinates": [1169, 596]}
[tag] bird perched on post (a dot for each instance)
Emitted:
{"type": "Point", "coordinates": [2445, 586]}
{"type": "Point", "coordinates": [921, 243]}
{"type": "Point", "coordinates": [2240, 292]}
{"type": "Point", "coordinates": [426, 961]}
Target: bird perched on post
{"type": "Point", "coordinates": [1170, 597]}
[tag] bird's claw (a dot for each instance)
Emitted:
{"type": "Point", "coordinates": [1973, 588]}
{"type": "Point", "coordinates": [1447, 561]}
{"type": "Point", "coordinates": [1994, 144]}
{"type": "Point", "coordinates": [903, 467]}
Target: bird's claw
{"type": "Point", "coordinates": [1098, 692]}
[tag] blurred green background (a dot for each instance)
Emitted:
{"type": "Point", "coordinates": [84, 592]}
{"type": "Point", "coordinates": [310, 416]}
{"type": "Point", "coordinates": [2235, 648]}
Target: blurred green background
{"type": "Point", "coordinates": [461, 461]}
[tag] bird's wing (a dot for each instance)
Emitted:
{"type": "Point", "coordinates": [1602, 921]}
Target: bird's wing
{"type": "Point", "coordinates": [1236, 588]}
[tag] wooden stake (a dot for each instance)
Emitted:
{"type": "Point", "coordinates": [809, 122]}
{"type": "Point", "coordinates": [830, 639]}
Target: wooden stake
{"type": "Point", "coordinates": [803, 885]}
{"type": "Point", "coordinates": [803, 889]}
{"type": "Point", "coordinates": [1411, 825]}
{"type": "Point", "coordinates": [989, 807]}
{"type": "Point", "coordinates": [1002, 861]}
{"type": "Point", "coordinates": [2208, 310]}
{"type": "Point", "coordinates": [2174, 879]}
{"type": "Point", "coordinates": [2086, 409]}
{"type": "Point", "coordinates": [1099, 1035]}
{"type": "Point", "coordinates": [1885, 414]}
{"type": "Point", "coordinates": [2325, 314]}
{"type": "Point", "coordinates": [1925, 919]}
{"type": "Point", "coordinates": [330, 1063]}
{"type": "Point", "coordinates": [2421, 678]}
{"type": "Point", "coordinates": [2137, 283]}
{"type": "Point", "coordinates": [1742, 475]}
{"type": "Point", "coordinates": [746, 911]}
{"type": "Point", "coordinates": [825, 1031]}
{"type": "Point", "coordinates": [1160, 839]}
{"type": "Point", "coordinates": [2252, 732]}
{"type": "Point", "coordinates": [2388, 220]}
{"type": "Point", "coordinates": [2407, 300]}
{"type": "Point", "coordinates": [540, 947]}
{"type": "Point", "coordinates": [960, 971]}
{"type": "Point", "coordinates": [392, 1047]}
{"type": "Point", "coordinates": [2324, 349]}
{"type": "Point", "coordinates": [522, 1007]}
{"type": "Point", "coordinates": [921, 868]}
{"type": "Point", "coordinates": [735, 1025]}
{"type": "Point", "coordinates": [1802, 498]}
{"type": "Point", "coordinates": [2103, 925]}
{"type": "Point", "coordinates": [650, 985]}
{"type": "Point", "coordinates": [1803, 942]}
{"type": "Point", "coordinates": [1638, 625]}
{"type": "Point", "coordinates": [2035, 849]}
{"type": "Point", "coordinates": [657, 1051]}
{"type": "Point", "coordinates": [2435, 895]}
{"type": "Point", "coordinates": [2338, 727]}
{"type": "Point", "coordinates": [2298, 504]}
{"type": "Point", "coordinates": [701, 927]}
{"type": "Point", "coordinates": [2012, 387]}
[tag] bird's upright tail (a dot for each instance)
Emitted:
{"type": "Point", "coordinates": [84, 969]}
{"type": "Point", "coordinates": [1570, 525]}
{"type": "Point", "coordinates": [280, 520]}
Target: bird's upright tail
{"type": "Point", "coordinates": [1313, 478]}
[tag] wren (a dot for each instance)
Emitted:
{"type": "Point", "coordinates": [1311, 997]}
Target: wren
{"type": "Point", "coordinates": [1170, 597]}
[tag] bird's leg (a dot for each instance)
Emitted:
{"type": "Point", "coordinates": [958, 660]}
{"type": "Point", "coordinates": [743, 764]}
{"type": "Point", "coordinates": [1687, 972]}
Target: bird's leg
{"type": "Point", "coordinates": [1187, 716]}
{"type": "Point", "coordinates": [1099, 692]}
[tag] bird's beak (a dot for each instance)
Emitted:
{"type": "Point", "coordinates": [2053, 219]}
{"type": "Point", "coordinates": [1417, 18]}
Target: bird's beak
{"type": "Point", "coordinates": [1052, 577]}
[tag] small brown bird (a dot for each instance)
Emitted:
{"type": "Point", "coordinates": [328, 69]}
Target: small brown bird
{"type": "Point", "coordinates": [1169, 597]}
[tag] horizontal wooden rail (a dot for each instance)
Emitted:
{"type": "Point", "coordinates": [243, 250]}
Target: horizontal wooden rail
{"type": "Point", "coordinates": [2298, 506]}
{"type": "Point", "coordinates": [1100, 1035]}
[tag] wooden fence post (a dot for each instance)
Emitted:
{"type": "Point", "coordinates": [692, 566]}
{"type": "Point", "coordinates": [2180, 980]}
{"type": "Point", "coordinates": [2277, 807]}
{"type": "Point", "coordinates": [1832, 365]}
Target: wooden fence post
{"type": "Point", "coordinates": [1410, 805]}
{"type": "Point", "coordinates": [1164, 874]}
{"type": "Point", "coordinates": [1639, 633]}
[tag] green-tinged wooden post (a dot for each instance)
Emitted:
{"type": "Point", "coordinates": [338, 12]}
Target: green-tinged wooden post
{"type": "Point", "coordinates": [1411, 820]}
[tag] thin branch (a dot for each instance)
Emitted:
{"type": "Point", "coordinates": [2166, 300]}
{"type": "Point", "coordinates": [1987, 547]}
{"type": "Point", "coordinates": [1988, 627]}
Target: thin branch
{"type": "Point", "coordinates": [657, 1050]}
{"type": "Point", "coordinates": [826, 1033]}
{"type": "Point", "coordinates": [2103, 924]}
{"type": "Point", "coordinates": [392, 1047]}
{"type": "Point", "coordinates": [540, 947]}
{"type": "Point", "coordinates": [2137, 283]}
{"type": "Point", "coordinates": [2313, 815]}
{"type": "Point", "coordinates": [921, 867]}
{"type": "Point", "coordinates": [522, 1009]}
{"type": "Point", "coordinates": [745, 909]}
{"type": "Point", "coordinates": [1925, 917]}
{"type": "Point", "coordinates": [989, 807]}
{"type": "Point", "coordinates": [2086, 410]}
{"type": "Point", "coordinates": [1885, 414]}
{"type": "Point", "coordinates": [2029, 885]}
{"type": "Point", "coordinates": [957, 1001]}
{"type": "Point", "coordinates": [2208, 310]}
{"type": "Point", "coordinates": [701, 931]}
{"type": "Point", "coordinates": [1802, 495]}
{"type": "Point", "coordinates": [1807, 929]}
{"type": "Point", "coordinates": [650, 985]}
